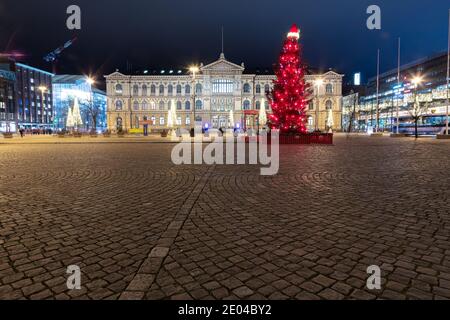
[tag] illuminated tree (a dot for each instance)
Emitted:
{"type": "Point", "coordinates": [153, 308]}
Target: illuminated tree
{"type": "Point", "coordinates": [289, 96]}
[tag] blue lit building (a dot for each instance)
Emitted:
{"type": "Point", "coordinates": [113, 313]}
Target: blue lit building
{"type": "Point", "coordinates": [91, 100]}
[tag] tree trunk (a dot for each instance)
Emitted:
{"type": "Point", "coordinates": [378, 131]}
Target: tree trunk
{"type": "Point", "coordinates": [415, 128]}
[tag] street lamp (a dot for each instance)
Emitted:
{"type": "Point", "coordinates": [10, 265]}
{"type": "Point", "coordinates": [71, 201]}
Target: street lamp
{"type": "Point", "coordinates": [90, 81]}
{"type": "Point", "coordinates": [318, 83]}
{"type": "Point", "coordinates": [194, 70]}
{"type": "Point", "coordinates": [43, 89]}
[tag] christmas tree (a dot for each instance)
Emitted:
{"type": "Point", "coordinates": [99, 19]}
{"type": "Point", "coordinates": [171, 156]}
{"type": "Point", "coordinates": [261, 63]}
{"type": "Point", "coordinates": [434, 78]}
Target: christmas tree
{"type": "Point", "coordinates": [289, 96]}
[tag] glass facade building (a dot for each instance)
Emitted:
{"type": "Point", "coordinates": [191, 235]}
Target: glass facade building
{"type": "Point", "coordinates": [7, 98]}
{"type": "Point", "coordinates": [67, 88]}
{"type": "Point", "coordinates": [421, 82]}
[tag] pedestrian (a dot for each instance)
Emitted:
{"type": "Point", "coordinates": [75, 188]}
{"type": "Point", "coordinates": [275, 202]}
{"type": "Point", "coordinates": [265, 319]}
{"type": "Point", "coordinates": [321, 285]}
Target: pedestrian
{"type": "Point", "coordinates": [21, 131]}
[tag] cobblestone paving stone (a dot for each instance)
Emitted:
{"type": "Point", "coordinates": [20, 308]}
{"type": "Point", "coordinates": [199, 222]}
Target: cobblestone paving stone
{"type": "Point", "coordinates": [141, 228]}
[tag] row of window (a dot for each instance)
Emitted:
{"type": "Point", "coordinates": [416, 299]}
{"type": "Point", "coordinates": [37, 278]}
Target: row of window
{"type": "Point", "coordinates": [328, 105]}
{"type": "Point", "coordinates": [187, 105]}
{"type": "Point", "coordinates": [218, 86]}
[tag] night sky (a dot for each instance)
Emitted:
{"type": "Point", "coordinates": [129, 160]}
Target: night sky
{"type": "Point", "coordinates": [176, 33]}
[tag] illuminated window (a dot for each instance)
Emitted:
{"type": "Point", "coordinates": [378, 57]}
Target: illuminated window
{"type": "Point", "coordinates": [329, 88]}
{"type": "Point", "coordinates": [161, 120]}
{"type": "Point", "coordinates": [222, 86]}
{"type": "Point", "coordinates": [246, 88]}
{"type": "Point", "coordinates": [246, 105]}
{"type": "Point", "coordinates": [119, 89]}
{"type": "Point", "coordinates": [198, 105]}
{"type": "Point", "coordinates": [258, 89]}
{"type": "Point", "coordinates": [119, 105]}
{"type": "Point", "coordinates": [161, 105]}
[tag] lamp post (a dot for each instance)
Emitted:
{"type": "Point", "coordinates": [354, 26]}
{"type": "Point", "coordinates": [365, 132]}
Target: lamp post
{"type": "Point", "coordinates": [448, 75]}
{"type": "Point", "coordinates": [42, 89]}
{"type": "Point", "coordinates": [318, 83]}
{"type": "Point", "coordinates": [90, 81]}
{"type": "Point", "coordinates": [194, 70]}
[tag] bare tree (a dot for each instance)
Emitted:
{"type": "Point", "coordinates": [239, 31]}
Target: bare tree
{"type": "Point", "coordinates": [93, 111]}
{"type": "Point", "coordinates": [417, 111]}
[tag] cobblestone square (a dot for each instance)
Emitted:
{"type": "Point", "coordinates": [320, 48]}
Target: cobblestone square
{"type": "Point", "coordinates": [140, 227]}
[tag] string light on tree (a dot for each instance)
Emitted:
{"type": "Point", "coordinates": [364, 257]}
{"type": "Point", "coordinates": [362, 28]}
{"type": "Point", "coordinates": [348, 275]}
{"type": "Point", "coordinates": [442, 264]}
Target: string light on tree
{"type": "Point", "coordinates": [289, 96]}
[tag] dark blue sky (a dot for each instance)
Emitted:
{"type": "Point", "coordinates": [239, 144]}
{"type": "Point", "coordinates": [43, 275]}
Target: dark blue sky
{"type": "Point", "coordinates": [175, 33]}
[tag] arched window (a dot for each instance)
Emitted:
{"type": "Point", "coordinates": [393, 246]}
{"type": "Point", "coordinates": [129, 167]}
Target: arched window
{"type": "Point", "coordinates": [144, 90]}
{"type": "Point", "coordinates": [135, 90]}
{"type": "Point", "coordinates": [310, 121]}
{"type": "Point", "coordinates": [136, 122]}
{"type": "Point", "coordinates": [119, 105]}
{"type": "Point", "coordinates": [258, 105]}
{"type": "Point", "coordinates": [198, 105]}
{"type": "Point", "coordinates": [198, 88]}
{"type": "Point", "coordinates": [170, 90]}
{"type": "Point", "coordinates": [179, 106]}
{"type": "Point", "coordinates": [145, 105]}
{"type": "Point", "coordinates": [153, 105]}
{"type": "Point", "coordinates": [179, 89]}
{"type": "Point", "coordinates": [258, 89]}
{"type": "Point", "coordinates": [246, 88]}
{"type": "Point", "coordinates": [161, 105]}
{"type": "Point", "coordinates": [329, 105]}
{"type": "Point", "coordinates": [136, 106]}
{"type": "Point", "coordinates": [153, 119]}
{"type": "Point", "coordinates": [187, 89]}
{"type": "Point", "coordinates": [187, 105]}
{"type": "Point", "coordinates": [329, 88]}
{"type": "Point", "coordinates": [119, 89]}
{"type": "Point", "coordinates": [246, 105]}
{"type": "Point", "coordinates": [266, 88]}
{"type": "Point", "coordinates": [153, 89]}
{"type": "Point", "coordinates": [161, 89]}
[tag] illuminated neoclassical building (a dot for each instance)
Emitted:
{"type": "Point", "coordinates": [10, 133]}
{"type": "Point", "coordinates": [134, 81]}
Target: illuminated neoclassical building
{"type": "Point", "coordinates": [210, 95]}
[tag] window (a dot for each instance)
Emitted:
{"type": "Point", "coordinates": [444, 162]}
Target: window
{"type": "Point", "coordinates": [310, 121]}
{"type": "Point", "coordinates": [179, 106]}
{"type": "Point", "coordinates": [170, 90]}
{"type": "Point", "coordinates": [266, 88]}
{"type": "Point", "coordinates": [135, 90]}
{"type": "Point", "coordinates": [119, 105]}
{"type": "Point", "coordinates": [119, 89]}
{"type": "Point", "coordinates": [258, 105]}
{"type": "Point", "coordinates": [311, 105]}
{"type": "Point", "coordinates": [145, 105]}
{"type": "Point", "coordinates": [153, 118]}
{"type": "Point", "coordinates": [153, 105]}
{"type": "Point", "coordinates": [144, 90]}
{"type": "Point", "coordinates": [136, 122]}
{"type": "Point", "coordinates": [161, 105]}
{"type": "Point", "coordinates": [179, 89]}
{"type": "Point", "coordinates": [188, 120]}
{"type": "Point", "coordinates": [161, 121]}
{"type": "Point", "coordinates": [136, 106]}
{"type": "Point", "coordinates": [153, 89]}
{"type": "Point", "coordinates": [178, 121]}
{"type": "Point", "coordinates": [246, 105]}
{"type": "Point", "coordinates": [329, 88]}
{"type": "Point", "coordinates": [161, 89]}
{"type": "Point", "coordinates": [198, 105]}
{"type": "Point", "coordinates": [187, 89]}
{"type": "Point", "coordinates": [119, 123]}
{"type": "Point", "coordinates": [198, 88]}
{"type": "Point", "coordinates": [329, 105]}
{"type": "Point", "coordinates": [187, 105]}
{"type": "Point", "coordinates": [246, 88]}
{"type": "Point", "coordinates": [222, 86]}
{"type": "Point", "coordinates": [258, 89]}
{"type": "Point", "coordinates": [198, 119]}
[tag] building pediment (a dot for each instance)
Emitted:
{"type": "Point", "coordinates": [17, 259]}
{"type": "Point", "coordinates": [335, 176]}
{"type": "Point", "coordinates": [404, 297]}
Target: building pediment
{"type": "Point", "coordinates": [222, 65]}
{"type": "Point", "coordinates": [115, 74]}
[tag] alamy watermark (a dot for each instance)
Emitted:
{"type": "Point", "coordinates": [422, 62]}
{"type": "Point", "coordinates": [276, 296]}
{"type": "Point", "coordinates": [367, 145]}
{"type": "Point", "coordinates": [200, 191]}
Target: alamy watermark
{"type": "Point", "coordinates": [73, 22]}
{"type": "Point", "coordinates": [229, 148]}
{"type": "Point", "coordinates": [74, 279]}
{"type": "Point", "coordinates": [374, 20]}
{"type": "Point", "coordinates": [374, 280]}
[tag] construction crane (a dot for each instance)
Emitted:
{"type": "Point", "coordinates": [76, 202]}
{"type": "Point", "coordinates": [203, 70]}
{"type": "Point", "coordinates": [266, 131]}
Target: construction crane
{"type": "Point", "coordinates": [53, 56]}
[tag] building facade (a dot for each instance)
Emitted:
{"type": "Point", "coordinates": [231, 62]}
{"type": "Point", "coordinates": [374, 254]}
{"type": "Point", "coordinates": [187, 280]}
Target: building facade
{"type": "Point", "coordinates": [91, 100]}
{"type": "Point", "coordinates": [424, 81]}
{"type": "Point", "coordinates": [221, 91]}
{"type": "Point", "coordinates": [34, 103]}
{"type": "Point", "coordinates": [8, 122]}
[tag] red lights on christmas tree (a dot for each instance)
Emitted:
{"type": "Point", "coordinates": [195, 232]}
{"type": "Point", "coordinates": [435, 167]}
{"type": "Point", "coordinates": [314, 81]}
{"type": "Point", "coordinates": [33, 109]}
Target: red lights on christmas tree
{"type": "Point", "coordinates": [289, 96]}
